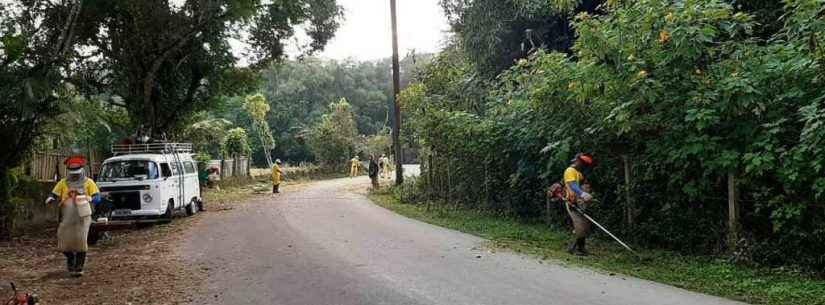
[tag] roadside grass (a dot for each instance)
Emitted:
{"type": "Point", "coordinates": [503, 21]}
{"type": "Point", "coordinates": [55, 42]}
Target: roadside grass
{"type": "Point", "coordinates": [238, 189]}
{"type": "Point", "coordinates": [708, 275]}
{"type": "Point", "coordinates": [233, 190]}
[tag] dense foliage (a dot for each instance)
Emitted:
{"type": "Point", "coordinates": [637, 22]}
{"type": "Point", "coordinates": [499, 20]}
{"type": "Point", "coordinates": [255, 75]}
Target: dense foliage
{"type": "Point", "coordinates": [159, 60]}
{"type": "Point", "coordinates": [236, 143]}
{"type": "Point", "coordinates": [298, 94]}
{"type": "Point", "coordinates": [334, 138]}
{"type": "Point", "coordinates": [35, 48]}
{"type": "Point", "coordinates": [168, 59]}
{"type": "Point", "coordinates": [494, 33]}
{"type": "Point", "coordinates": [257, 108]}
{"type": "Point", "coordinates": [687, 91]}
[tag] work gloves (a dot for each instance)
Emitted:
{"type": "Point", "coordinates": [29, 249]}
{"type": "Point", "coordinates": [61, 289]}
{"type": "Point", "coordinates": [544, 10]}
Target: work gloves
{"type": "Point", "coordinates": [586, 196]}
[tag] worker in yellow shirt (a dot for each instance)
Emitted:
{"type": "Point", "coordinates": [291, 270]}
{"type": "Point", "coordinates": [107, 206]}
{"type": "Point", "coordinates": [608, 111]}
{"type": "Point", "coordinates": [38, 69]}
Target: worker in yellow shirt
{"type": "Point", "coordinates": [75, 194]}
{"type": "Point", "coordinates": [384, 164]}
{"type": "Point", "coordinates": [277, 172]}
{"type": "Point", "coordinates": [355, 164]}
{"type": "Point", "coordinates": [578, 193]}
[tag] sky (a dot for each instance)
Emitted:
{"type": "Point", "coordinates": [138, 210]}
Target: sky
{"type": "Point", "coordinates": [365, 33]}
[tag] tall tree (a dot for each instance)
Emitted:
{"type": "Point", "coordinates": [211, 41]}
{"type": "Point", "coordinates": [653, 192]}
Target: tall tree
{"type": "Point", "coordinates": [300, 91]}
{"type": "Point", "coordinates": [161, 60]}
{"type": "Point", "coordinates": [494, 33]}
{"type": "Point", "coordinates": [334, 138]}
{"type": "Point", "coordinates": [257, 108]}
{"type": "Point", "coordinates": [168, 59]}
{"type": "Point", "coordinates": [36, 40]}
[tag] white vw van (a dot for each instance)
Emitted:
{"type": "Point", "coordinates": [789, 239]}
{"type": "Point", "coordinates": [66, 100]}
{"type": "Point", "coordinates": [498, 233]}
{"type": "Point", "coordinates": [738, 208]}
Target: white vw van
{"type": "Point", "coordinates": [150, 181]}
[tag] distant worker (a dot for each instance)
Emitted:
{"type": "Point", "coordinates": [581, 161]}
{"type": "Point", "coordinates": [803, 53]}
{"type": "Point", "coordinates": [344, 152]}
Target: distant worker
{"type": "Point", "coordinates": [373, 172]}
{"type": "Point", "coordinates": [203, 174]}
{"type": "Point", "coordinates": [384, 162]}
{"type": "Point", "coordinates": [74, 194]}
{"type": "Point", "coordinates": [578, 193]}
{"type": "Point", "coordinates": [355, 164]}
{"type": "Point", "coordinates": [277, 172]}
{"type": "Point", "coordinates": [213, 177]}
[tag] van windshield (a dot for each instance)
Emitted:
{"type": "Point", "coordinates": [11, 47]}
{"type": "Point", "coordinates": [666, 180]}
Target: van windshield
{"type": "Point", "coordinates": [128, 170]}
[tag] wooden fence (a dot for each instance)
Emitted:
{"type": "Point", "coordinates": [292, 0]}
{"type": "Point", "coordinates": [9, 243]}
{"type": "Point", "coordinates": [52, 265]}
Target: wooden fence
{"type": "Point", "coordinates": [48, 166]}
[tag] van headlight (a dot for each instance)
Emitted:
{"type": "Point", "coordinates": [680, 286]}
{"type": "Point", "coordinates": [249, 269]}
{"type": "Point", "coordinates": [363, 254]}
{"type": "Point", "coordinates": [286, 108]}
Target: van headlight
{"type": "Point", "coordinates": [147, 198]}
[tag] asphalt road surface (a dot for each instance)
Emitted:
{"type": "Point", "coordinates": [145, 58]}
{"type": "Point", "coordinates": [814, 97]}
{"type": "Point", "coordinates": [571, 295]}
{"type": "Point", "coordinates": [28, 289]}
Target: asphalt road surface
{"type": "Point", "coordinates": [325, 244]}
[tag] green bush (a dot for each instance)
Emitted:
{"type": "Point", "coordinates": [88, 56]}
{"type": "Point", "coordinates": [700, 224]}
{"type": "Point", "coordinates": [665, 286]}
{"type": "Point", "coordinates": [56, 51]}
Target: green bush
{"type": "Point", "coordinates": [686, 92]}
{"type": "Point", "coordinates": [334, 138]}
{"type": "Point", "coordinates": [236, 143]}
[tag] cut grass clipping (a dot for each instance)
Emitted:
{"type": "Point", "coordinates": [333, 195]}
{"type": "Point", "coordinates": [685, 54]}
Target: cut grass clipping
{"type": "Point", "coordinates": [701, 274]}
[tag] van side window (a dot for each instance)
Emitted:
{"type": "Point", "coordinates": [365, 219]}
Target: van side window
{"type": "Point", "coordinates": [175, 168]}
{"type": "Point", "coordinates": [190, 169]}
{"type": "Point", "coordinates": [165, 170]}
{"type": "Point", "coordinates": [153, 170]}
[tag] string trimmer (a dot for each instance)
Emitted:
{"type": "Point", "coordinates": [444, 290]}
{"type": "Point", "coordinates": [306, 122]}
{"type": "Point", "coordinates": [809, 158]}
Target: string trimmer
{"type": "Point", "coordinates": [21, 297]}
{"type": "Point", "coordinates": [580, 211]}
{"type": "Point", "coordinates": [557, 192]}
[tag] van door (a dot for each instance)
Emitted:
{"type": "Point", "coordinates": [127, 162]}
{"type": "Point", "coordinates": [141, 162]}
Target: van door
{"type": "Point", "coordinates": [191, 181]}
{"type": "Point", "coordinates": [177, 186]}
{"type": "Point", "coordinates": [166, 191]}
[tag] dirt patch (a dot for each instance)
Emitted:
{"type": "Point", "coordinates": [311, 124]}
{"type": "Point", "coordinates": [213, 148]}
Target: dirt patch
{"type": "Point", "coordinates": [140, 266]}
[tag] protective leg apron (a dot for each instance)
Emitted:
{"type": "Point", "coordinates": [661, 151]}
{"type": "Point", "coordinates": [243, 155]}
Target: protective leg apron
{"type": "Point", "coordinates": [72, 234]}
{"type": "Point", "coordinates": [581, 228]}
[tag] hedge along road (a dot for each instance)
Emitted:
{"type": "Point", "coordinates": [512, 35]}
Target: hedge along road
{"type": "Point", "coordinates": [326, 243]}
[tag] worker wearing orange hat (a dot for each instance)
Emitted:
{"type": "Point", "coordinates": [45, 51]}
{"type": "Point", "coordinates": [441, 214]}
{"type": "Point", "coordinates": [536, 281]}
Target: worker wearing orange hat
{"type": "Point", "coordinates": [75, 194]}
{"type": "Point", "coordinates": [578, 193]}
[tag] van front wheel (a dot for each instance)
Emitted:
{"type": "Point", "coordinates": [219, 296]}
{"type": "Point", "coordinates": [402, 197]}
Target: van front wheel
{"type": "Point", "coordinates": [93, 237]}
{"type": "Point", "coordinates": [168, 214]}
{"type": "Point", "coordinates": [192, 208]}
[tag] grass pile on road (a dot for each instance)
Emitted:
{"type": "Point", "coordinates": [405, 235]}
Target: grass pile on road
{"type": "Point", "coordinates": [301, 172]}
{"type": "Point", "coordinates": [237, 189]}
{"type": "Point", "coordinates": [231, 191]}
{"type": "Point", "coordinates": [714, 276]}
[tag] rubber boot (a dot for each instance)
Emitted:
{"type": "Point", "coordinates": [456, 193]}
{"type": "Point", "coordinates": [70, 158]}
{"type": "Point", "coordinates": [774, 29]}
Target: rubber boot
{"type": "Point", "coordinates": [277, 188]}
{"type": "Point", "coordinates": [572, 246]}
{"type": "Point", "coordinates": [79, 263]}
{"type": "Point", "coordinates": [70, 261]}
{"type": "Point", "coordinates": [581, 247]}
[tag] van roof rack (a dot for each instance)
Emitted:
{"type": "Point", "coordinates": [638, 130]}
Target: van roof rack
{"type": "Point", "coordinates": [152, 148]}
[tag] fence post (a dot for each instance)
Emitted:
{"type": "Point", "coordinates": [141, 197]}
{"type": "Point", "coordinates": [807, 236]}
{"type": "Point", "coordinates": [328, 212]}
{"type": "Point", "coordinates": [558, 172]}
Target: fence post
{"type": "Point", "coordinates": [430, 183]}
{"type": "Point", "coordinates": [733, 212]}
{"type": "Point", "coordinates": [58, 174]}
{"type": "Point", "coordinates": [450, 182]}
{"type": "Point", "coordinates": [236, 160]}
{"type": "Point", "coordinates": [486, 186]}
{"type": "Point", "coordinates": [628, 208]}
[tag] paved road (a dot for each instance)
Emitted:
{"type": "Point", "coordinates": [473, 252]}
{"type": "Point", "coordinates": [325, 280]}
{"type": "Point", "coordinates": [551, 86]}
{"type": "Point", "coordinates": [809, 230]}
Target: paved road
{"type": "Point", "coordinates": [412, 170]}
{"type": "Point", "coordinates": [325, 243]}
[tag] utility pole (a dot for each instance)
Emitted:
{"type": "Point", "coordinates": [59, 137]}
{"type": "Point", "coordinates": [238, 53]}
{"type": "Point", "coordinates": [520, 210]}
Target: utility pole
{"type": "Point", "coordinates": [396, 84]}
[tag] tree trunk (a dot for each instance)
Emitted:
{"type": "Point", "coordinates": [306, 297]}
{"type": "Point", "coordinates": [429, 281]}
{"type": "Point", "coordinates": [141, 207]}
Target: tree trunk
{"type": "Point", "coordinates": [7, 208]}
{"type": "Point", "coordinates": [265, 146]}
